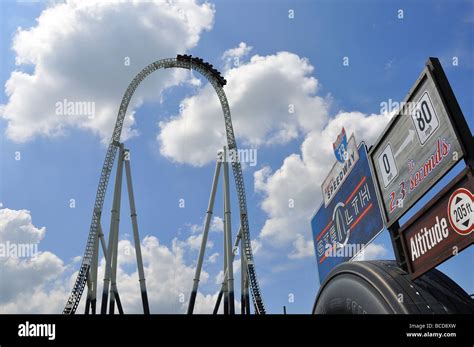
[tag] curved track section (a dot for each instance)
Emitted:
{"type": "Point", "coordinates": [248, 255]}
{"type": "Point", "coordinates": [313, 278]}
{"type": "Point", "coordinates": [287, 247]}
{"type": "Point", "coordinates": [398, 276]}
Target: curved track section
{"type": "Point", "coordinates": [185, 62]}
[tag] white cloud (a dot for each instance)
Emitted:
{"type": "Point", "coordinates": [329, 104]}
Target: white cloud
{"type": "Point", "coordinates": [256, 246]}
{"type": "Point", "coordinates": [234, 56]}
{"type": "Point", "coordinates": [372, 252]}
{"type": "Point", "coordinates": [194, 242]}
{"type": "Point", "coordinates": [260, 95]}
{"type": "Point", "coordinates": [16, 226]}
{"type": "Point", "coordinates": [240, 51]}
{"type": "Point", "coordinates": [78, 50]}
{"type": "Point", "coordinates": [217, 224]}
{"type": "Point", "coordinates": [236, 268]}
{"type": "Point", "coordinates": [42, 284]}
{"type": "Point", "coordinates": [297, 182]}
{"type": "Point", "coordinates": [213, 258]}
{"type": "Point", "coordinates": [168, 278]}
{"type": "Point", "coordinates": [21, 279]}
{"type": "Point", "coordinates": [302, 248]}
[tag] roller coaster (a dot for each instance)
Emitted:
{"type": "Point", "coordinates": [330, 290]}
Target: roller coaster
{"type": "Point", "coordinates": [88, 270]}
{"type": "Point", "coordinates": [199, 62]}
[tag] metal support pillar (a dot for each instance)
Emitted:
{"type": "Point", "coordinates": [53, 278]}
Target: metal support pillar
{"type": "Point", "coordinates": [242, 281]}
{"type": "Point", "coordinates": [92, 282]}
{"type": "Point", "coordinates": [246, 290]}
{"type": "Point", "coordinates": [244, 285]}
{"type": "Point", "coordinates": [205, 234]}
{"type": "Point", "coordinates": [117, 201]}
{"type": "Point", "coordinates": [398, 246]}
{"type": "Point", "coordinates": [113, 227]}
{"type": "Point", "coordinates": [221, 292]}
{"type": "Point", "coordinates": [136, 237]}
{"type": "Point", "coordinates": [93, 274]}
{"type": "Point", "coordinates": [228, 237]}
{"type": "Point", "coordinates": [89, 296]}
{"type": "Point", "coordinates": [225, 287]}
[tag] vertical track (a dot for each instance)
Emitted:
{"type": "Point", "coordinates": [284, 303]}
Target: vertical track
{"type": "Point", "coordinates": [81, 279]}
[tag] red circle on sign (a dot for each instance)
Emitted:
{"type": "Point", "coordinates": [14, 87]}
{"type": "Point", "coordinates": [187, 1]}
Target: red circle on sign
{"type": "Point", "coordinates": [455, 193]}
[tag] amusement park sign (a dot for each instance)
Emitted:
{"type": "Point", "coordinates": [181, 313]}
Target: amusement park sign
{"type": "Point", "coordinates": [443, 228]}
{"type": "Point", "coordinates": [347, 156]}
{"type": "Point", "coordinates": [418, 147]}
{"type": "Point", "coordinates": [343, 228]}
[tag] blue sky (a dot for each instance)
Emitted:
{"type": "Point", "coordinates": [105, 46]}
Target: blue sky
{"type": "Point", "coordinates": [386, 56]}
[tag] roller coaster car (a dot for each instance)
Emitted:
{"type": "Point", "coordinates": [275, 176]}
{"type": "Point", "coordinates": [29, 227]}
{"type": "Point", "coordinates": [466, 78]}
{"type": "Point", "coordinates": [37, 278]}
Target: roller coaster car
{"type": "Point", "coordinates": [222, 81]}
{"type": "Point", "coordinates": [197, 60]}
{"type": "Point", "coordinates": [184, 57]}
{"type": "Point", "coordinates": [204, 64]}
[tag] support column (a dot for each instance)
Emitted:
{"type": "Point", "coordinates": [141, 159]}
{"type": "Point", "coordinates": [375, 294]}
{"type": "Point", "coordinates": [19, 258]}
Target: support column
{"type": "Point", "coordinates": [228, 238]}
{"type": "Point", "coordinates": [246, 290]}
{"type": "Point", "coordinates": [205, 234]}
{"type": "Point", "coordinates": [113, 226]}
{"type": "Point", "coordinates": [136, 237]}
{"type": "Point", "coordinates": [243, 303]}
{"type": "Point", "coordinates": [225, 287]}
{"type": "Point", "coordinates": [89, 295]}
{"type": "Point", "coordinates": [398, 246]}
{"type": "Point", "coordinates": [221, 292]}
{"type": "Point", "coordinates": [93, 271]}
{"type": "Point", "coordinates": [91, 303]}
{"type": "Point", "coordinates": [113, 288]}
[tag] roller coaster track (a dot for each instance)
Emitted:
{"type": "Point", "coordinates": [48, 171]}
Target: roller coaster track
{"type": "Point", "coordinates": [217, 82]}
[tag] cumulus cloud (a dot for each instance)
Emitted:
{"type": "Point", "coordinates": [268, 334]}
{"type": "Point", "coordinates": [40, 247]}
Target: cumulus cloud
{"type": "Point", "coordinates": [16, 226]}
{"type": "Point", "coordinates": [269, 97]}
{"type": "Point", "coordinates": [302, 248]}
{"type": "Point", "coordinates": [273, 99]}
{"type": "Point", "coordinates": [240, 51]}
{"type": "Point", "coordinates": [217, 225]}
{"type": "Point", "coordinates": [43, 283]}
{"type": "Point", "coordinates": [373, 251]}
{"type": "Point", "coordinates": [233, 56]}
{"type": "Point", "coordinates": [168, 278]}
{"type": "Point", "coordinates": [194, 242]}
{"type": "Point", "coordinates": [292, 193]}
{"type": "Point", "coordinates": [236, 268]}
{"type": "Point", "coordinates": [213, 258]}
{"type": "Point", "coordinates": [23, 278]}
{"type": "Point", "coordinates": [80, 50]}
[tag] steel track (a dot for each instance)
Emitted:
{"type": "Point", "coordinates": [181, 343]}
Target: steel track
{"type": "Point", "coordinates": [81, 279]}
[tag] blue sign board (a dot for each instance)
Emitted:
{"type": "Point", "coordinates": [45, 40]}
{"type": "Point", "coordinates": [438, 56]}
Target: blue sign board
{"type": "Point", "coordinates": [351, 220]}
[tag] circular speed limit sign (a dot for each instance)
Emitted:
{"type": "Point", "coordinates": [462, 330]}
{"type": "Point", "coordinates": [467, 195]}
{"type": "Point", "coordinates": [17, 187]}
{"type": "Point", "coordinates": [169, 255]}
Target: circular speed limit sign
{"type": "Point", "coordinates": [461, 211]}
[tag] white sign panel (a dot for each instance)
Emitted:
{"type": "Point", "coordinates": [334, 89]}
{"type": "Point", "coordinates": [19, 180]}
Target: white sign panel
{"type": "Point", "coordinates": [387, 163]}
{"type": "Point", "coordinates": [425, 119]}
{"type": "Point", "coordinates": [416, 149]}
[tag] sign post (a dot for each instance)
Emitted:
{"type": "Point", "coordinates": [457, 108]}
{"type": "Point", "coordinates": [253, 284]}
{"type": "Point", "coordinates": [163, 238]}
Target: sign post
{"type": "Point", "coordinates": [420, 145]}
{"type": "Point", "coordinates": [351, 219]}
